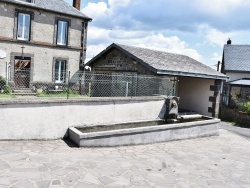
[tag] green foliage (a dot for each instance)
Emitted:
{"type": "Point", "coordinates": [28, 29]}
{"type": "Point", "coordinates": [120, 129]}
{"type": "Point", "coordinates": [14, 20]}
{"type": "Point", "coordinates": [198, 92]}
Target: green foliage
{"type": "Point", "coordinates": [2, 82]}
{"type": "Point", "coordinates": [6, 96]}
{"type": "Point", "coordinates": [247, 108]}
{"type": "Point", "coordinates": [38, 85]}
{"type": "Point", "coordinates": [4, 87]}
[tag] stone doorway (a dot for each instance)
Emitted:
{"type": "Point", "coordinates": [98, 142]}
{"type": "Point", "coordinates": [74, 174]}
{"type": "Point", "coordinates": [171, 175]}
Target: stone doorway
{"type": "Point", "coordinates": [22, 68]}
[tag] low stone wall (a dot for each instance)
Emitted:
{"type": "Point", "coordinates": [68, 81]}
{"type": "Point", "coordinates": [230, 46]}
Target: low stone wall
{"type": "Point", "coordinates": [51, 118]}
{"type": "Point", "coordinates": [234, 115]}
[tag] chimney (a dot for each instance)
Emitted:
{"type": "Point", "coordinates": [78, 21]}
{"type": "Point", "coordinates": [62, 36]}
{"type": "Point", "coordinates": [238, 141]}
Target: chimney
{"type": "Point", "coordinates": [77, 4]}
{"type": "Point", "coordinates": [229, 41]}
{"type": "Point", "coordinates": [218, 66]}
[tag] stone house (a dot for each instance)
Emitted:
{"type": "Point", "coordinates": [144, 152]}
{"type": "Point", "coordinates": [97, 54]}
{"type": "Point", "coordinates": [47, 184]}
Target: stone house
{"type": "Point", "coordinates": [43, 41]}
{"type": "Point", "coordinates": [236, 61]}
{"type": "Point", "coordinates": [197, 85]}
{"type": "Point", "coordinates": [236, 65]}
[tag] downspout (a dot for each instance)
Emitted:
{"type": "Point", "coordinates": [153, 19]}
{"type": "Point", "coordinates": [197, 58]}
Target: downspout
{"type": "Point", "coordinates": [83, 45]}
{"type": "Point", "coordinates": [7, 71]}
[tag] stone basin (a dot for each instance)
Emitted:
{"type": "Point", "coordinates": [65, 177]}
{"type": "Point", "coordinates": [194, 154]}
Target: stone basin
{"type": "Point", "coordinates": [152, 132]}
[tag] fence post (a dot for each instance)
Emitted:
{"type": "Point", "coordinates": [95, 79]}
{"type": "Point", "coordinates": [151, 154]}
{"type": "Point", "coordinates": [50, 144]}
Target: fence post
{"type": "Point", "coordinates": [68, 86]}
{"type": "Point", "coordinates": [89, 89]}
{"type": "Point", "coordinates": [126, 88]}
{"type": "Point", "coordinates": [80, 86]}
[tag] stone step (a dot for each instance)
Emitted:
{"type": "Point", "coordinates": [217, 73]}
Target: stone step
{"type": "Point", "coordinates": [23, 92]}
{"type": "Point", "coordinates": [26, 94]}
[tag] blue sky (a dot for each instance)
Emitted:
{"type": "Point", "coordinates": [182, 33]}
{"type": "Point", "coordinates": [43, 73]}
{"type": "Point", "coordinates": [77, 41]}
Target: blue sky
{"type": "Point", "coordinates": [197, 28]}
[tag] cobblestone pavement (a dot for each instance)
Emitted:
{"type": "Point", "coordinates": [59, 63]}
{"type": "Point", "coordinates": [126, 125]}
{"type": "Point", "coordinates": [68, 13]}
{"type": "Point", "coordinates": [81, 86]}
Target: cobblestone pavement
{"type": "Point", "coordinates": [221, 161]}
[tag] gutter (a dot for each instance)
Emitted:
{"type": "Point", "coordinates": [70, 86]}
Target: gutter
{"type": "Point", "coordinates": [199, 75]}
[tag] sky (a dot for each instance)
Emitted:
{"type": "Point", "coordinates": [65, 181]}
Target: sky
{"type": "Point", "coordinates": [196, 28]}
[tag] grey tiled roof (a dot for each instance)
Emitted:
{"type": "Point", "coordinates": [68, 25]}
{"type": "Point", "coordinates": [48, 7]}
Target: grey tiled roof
{"type": "Point", "coordinates": [167, 63]}
{"type": "Point", "coordinates": [59, 6]}
{"type": "Point", "coordinates": [241, 82]}
{"type": "Point", "coordinates": [237, 58]}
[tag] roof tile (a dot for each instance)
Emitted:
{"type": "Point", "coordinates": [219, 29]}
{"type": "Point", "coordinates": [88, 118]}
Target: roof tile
{"type": "Point", "coordinates": [52, 5]}
{"type": "Point", "coordinates": [166, 63]}
{"type": "Point", "coordinates": [237, 58]}
{"type": "Point", "coordinates": [169, 61]}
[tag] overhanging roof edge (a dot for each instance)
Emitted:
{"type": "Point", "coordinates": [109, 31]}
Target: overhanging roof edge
{"type": "Point", "coordinates": [199, 75]}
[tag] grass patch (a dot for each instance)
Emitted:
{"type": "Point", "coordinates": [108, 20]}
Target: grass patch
{"type": "Point", "coordinates": [7, 96]}
{"type": "Point", "coordinates": [71, 95]}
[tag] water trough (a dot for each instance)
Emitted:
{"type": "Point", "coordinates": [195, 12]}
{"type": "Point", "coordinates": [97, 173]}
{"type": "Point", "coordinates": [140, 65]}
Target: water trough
{"type": "Point", "coordinates": [169, 126]}
{"type": "Point", "coordinates": [146, 134]}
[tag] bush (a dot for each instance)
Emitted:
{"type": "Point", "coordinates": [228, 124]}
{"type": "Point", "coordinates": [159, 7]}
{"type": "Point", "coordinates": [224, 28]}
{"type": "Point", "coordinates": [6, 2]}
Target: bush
{"type": "Point", "coordinates": [7, 89]}
{"type": "Point", "coordinates": [2, 83]}
{"type": "Point", "coordinates": [4, 87]}
{"type": "Point", "coordinates": [38, 85]}
{"type": "Point", "coordinates": [247, 108]}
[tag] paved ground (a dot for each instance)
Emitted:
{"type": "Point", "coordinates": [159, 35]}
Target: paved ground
{"type": "Point", "coordinates": [221, 161]}
{"type": "Point", "coordinates": [238, 130]}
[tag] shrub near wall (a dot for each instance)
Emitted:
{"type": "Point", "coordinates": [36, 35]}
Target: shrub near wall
{"type": "Point", "coordinates": [228, 114]}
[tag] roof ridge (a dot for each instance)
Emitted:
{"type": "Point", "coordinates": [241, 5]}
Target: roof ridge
{"type": "Point", "coordinates": [228, 45]}
{"type": "Point", "coordinates": [146, 48]}
{"type": "Point", "coordinates": [52, 5]}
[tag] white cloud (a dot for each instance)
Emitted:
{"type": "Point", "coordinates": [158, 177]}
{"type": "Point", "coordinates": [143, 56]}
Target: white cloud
{"type": "Point", "coordinates": [219, 14]}
{"type": "Point", "coordinates": [96, 10]}
{"type": "Point", "coordinates": [221, 7]}
{"type": "Point", "coordinates": [101, 38]}
{"type": "Point", "coordinates": [93, 50]}
{"type": "Point", "coordinates": [119, 3]}
{"type": "Point", "coordinates": [215, 36]}
{"type": "Point", "coordinates": [148, 24]}
{"type": "Point", "coordinates": [216, 57]}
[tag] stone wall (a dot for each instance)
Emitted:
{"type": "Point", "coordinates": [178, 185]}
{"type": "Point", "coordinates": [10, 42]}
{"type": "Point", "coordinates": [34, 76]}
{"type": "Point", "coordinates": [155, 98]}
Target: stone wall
{"type": "Point", "coordinates": [234, 115]}
{"type": "Point", "coordinates": [116, 61]}
{"type": "Point", "coordinates": [42, 46]}
{"type": "Point", "coordinates": [43, 60]}
{"type": "Point", "coordinates": [43, 25]}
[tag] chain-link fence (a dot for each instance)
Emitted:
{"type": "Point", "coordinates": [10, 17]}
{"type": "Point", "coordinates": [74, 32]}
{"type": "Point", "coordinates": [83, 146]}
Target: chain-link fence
{"type": "Point", "coordinates": [89, 84]}
{"type": "Point", "coordinates": [236, 97]}
{"type": "Point", "coordinates": [235, 104]}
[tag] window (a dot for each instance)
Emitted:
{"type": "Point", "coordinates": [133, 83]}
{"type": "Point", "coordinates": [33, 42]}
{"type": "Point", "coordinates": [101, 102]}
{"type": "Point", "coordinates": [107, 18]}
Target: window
{"type": "Point", "coordinates": [23, 27]}
{"type": "Point", "coordinates": [62, 33]}
{"type": "Point", "coordinates": [60, 71]}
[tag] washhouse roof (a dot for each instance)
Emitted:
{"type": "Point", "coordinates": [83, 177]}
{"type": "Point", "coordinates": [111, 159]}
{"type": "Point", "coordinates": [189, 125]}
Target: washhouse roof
{"type": "Point", "coordinates": [58, 6]}
{"type": "Point", "coordinates": [241, 82]}
{"type": "Point", "coordinates": [236, 58]}
{"type": "Point", "coordinates": [165, 63]}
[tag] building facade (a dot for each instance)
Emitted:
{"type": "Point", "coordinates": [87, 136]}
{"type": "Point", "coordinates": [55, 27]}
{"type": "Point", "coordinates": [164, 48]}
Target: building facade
{"type": "Point", "coordinates": [236, 61]}
{"type": "Point", "coordinates": [236, 65]}
{"type": "Point", "coordinates": [196, 84]}
{"type": "Point", "coordinates": [43, 41]}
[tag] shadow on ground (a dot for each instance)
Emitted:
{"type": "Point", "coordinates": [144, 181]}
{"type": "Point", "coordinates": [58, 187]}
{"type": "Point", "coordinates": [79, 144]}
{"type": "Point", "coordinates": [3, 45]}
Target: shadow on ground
{"type": "Point", "coordinates": [70, 143]}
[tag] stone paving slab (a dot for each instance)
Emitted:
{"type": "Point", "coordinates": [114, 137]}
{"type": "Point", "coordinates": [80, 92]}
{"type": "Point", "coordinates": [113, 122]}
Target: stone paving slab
{"type": "Point", "coordinates": [220, 161]}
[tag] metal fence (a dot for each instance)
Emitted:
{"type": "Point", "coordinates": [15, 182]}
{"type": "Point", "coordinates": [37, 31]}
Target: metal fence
{"type": "Point", "coordinates": [236, 97]}
{"type": "Point", "coordinates": [89, 84]}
